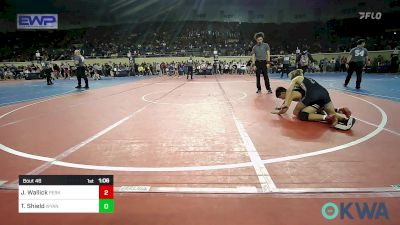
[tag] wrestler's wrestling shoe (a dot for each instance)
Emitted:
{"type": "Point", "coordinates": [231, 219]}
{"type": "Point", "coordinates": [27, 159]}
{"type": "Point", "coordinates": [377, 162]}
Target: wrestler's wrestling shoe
{"type": "Point", "coordinates": [347, 125]}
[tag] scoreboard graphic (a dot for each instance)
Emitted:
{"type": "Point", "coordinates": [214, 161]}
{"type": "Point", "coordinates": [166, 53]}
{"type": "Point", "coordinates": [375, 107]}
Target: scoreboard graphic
{"type": "Point", "coordinates": [66, 194]}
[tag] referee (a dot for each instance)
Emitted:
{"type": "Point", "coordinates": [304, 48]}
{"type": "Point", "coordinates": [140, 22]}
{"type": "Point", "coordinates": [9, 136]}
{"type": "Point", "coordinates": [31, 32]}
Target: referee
{"type": "Point", "coordinates": [356, 61]}
{"type": "Point", "coordinates": [80, 69]}
{"type": "Point", "coordinates": [260, 61]}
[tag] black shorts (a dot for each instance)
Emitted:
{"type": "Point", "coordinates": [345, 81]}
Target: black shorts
{"type": "Point", "coordinates": [80, 71]}
{"type": "Point", "coordinates": [319, 98]}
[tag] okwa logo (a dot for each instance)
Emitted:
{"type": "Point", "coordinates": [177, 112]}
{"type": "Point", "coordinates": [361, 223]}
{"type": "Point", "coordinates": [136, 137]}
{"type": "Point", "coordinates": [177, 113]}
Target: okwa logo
{"type": "Point", "coordinates": [355, 210]}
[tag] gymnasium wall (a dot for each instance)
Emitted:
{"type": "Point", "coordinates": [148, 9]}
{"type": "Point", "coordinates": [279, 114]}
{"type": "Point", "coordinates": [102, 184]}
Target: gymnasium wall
{"type": "Point", "coordinates": [372, 54]}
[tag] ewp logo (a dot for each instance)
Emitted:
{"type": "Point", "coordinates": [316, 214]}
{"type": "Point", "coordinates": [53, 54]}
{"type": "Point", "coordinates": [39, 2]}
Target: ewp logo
{"type": "Point", "coordinates": [362, 211]}
{"type": "Point", "coordinates": [370, 15]}
{"type": "Point", "coordinates": [37, 21]}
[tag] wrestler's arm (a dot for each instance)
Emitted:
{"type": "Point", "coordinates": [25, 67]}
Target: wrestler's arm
{"type": "Point", "coordinates": [289, 93]}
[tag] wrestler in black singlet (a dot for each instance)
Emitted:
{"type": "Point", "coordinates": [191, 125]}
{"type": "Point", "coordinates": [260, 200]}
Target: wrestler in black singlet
{"type": "Point", "coordinates": [313, 93]}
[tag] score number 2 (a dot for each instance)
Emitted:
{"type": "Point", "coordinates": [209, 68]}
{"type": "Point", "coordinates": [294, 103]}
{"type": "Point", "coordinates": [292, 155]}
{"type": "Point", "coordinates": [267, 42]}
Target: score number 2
{"type": "Point", "coordinates": [106, 192]}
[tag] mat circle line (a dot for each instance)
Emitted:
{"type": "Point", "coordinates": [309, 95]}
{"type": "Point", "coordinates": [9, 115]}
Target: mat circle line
{"type": "Point", "coordinates": [53, 161]}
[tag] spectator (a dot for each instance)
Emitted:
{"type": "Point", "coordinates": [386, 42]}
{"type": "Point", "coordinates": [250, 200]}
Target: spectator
{"type": "Point", "coordinates": [394, 60]}
{"type": "Point", "coordinates": [303, 61]}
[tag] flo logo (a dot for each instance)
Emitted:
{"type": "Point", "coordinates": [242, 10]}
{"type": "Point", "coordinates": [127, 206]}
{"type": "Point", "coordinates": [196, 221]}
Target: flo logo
{"type": "Point", "coordinates": [370, 15]}
{"type": "Point", "coordinates": [351, 210]}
